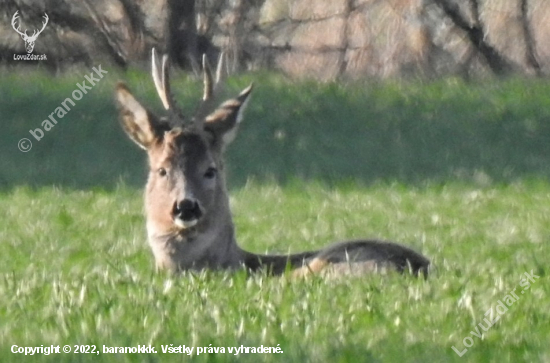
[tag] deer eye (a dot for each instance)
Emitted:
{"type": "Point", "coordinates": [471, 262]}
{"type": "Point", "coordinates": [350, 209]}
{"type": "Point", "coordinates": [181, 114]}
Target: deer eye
{"type": "Point", "coordinates": [161, 171]}
{"type": "Point", "coordinates": [210, 173]}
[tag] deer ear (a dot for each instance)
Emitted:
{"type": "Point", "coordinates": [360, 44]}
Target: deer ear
{"type": "Point", "coordinates": [140, 125]}
{"type": "Point", "coordinates": [224, 121]}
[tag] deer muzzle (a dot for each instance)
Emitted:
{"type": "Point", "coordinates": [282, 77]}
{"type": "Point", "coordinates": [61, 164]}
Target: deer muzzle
{"type": "Point", "coordinates": [186, 213]}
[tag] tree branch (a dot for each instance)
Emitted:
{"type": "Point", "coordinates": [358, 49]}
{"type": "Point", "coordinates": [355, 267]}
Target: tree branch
{"type": "Point", "coordinates": [530, 47]}
{"type": "Point", "coordinates": [475, 33]}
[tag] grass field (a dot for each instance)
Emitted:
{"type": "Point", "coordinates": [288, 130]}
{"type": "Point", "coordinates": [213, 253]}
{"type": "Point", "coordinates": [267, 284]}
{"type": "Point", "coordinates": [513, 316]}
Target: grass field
{"type": "Point", "coordinates": [458, 171]}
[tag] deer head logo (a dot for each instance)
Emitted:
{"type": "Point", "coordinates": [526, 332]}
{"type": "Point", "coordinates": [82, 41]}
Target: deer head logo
{"type": "Point", "coordinates": [29, 40]}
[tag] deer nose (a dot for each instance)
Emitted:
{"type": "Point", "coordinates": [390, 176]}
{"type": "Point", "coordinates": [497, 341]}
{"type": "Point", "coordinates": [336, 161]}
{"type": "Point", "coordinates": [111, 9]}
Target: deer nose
{"type": "Point", "coordinates": [187, 210]}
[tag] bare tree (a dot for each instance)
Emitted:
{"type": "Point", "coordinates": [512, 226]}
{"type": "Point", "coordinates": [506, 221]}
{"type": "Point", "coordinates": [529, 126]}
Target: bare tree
{"type": "Point", "coordinates": [182, 33]}
{"type": "Point", "coordinates": [476, 34]}
{"type": "Point", "coordinates": [530, 47]}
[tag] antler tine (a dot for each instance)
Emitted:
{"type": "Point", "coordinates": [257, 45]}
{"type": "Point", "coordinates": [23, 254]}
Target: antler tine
{"type": "Point", "coordinates": [208, 85]}
{"type": "Point", "coordinates": [162, 83]}
{"type": "Point", "coordinates": [159, 83]}
{"type": "Point", "coordinates": [210, 88]}
{"type": "Point", "coordinates": [166, 81]}
{"type": "Point", "coordinates": [219, 68]}
{"type": "Point", "coordinates": [207, 77]}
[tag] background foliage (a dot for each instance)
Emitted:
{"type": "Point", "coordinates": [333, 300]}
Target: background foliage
{"type": "Point", "coordinates": [456, 170]}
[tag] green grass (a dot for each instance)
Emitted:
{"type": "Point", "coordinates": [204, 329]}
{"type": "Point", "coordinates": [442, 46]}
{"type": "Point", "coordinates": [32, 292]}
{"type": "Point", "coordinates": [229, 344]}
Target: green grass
{"type": "Point", "coordinates": [393, 132]}
{"type": "Point", "coordinates": [457, 171]}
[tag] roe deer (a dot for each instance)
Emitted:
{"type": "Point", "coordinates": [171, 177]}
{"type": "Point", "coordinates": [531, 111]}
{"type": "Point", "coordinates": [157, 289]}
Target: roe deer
{"type": "Point", "coordinates": [189, 221]}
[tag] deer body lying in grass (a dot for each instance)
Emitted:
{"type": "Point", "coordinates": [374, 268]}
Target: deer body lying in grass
{"type": "Point", "coordinates": [189, 221]}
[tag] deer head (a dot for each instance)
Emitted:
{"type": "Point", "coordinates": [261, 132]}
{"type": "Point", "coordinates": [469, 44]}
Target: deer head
{"type": "Point", "coordinates": [185, 193]}
{"type": "Point", "coordinates": [29, 40]}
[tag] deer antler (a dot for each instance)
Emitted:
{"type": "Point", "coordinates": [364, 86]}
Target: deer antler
{"type": "Point", "coordinates": [211, 89]}
{"type": "Point", "coordinates": [13, 21]}
{"type": "Point", "coordinates": [161, 78]}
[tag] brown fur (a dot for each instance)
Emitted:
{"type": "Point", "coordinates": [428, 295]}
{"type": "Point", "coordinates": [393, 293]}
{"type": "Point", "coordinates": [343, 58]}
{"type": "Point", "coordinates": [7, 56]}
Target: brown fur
{"type": "Point", "coordinates": [186, 165]}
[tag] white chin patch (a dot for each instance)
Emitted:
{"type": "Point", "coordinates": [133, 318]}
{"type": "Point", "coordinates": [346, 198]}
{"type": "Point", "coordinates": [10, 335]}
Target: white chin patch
{"type": "Point", "coordinates": [185, 224]}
